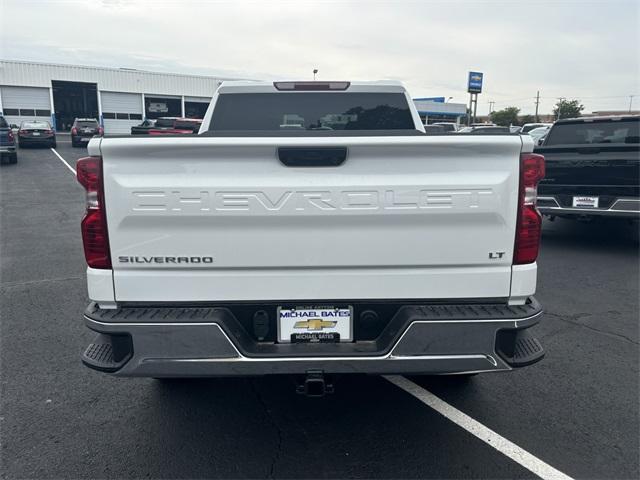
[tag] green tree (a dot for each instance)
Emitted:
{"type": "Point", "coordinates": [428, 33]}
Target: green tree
{"type": "Point", "coordinates": [526, 119]}
{"type": "Point", "coordinates": [567, 108]}
{"type": "Point", "coordinates": [506, 117]}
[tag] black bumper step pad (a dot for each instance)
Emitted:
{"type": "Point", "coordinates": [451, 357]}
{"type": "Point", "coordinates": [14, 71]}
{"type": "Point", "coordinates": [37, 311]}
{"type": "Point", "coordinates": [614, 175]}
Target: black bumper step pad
{"type": "Point", "coordinates": [519, 348]}
{"type": "Point", "coordinates": [108, 353]}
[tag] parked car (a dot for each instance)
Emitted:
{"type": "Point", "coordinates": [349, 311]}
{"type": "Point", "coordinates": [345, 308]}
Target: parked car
{"type": "Point", "coordinates": [178, 126]}
{"type": "Point", "coordinates": [83, 130]}
{"type": "Point", "coordinates": [36, 133]}
{"type": "Point", "coordinates": [143, 129]}
{"type": "Point", "coordinates": [593, 168]}
{"type": "Point", "coordinates": [527, 127]}
{"type": "Point", "coordinates": [7, 142]}
{"type": "Point", "coordinates": [484, 130]}
{"type": "Point", "coordinates": [217, 255]}
{"type": "Point", "coordinates": [447, 126]}
{"type": "Point", "coordinates": [538, 133]}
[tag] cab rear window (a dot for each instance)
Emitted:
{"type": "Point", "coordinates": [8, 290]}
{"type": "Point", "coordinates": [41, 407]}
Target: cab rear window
{"type": "Point", "coordinates": [311, 111]}
{"type": "Point", "coordinates": [595, 132]}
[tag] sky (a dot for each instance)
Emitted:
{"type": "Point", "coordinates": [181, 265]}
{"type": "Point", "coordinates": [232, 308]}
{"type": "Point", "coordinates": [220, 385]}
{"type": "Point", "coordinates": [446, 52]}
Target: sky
{"type": "Point", "coordinates": [589, 50]}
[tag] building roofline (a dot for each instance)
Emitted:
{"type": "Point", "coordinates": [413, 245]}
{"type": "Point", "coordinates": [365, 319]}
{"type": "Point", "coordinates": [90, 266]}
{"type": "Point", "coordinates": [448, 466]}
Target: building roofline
{"type": "Point", "coordinates": [114, 69]}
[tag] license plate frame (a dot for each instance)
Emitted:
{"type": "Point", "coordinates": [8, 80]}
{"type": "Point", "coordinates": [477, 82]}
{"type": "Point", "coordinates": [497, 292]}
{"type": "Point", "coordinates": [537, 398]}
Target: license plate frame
{"type": "Point", "coordinates": [317, 318]}
{"type": "Point", "coordinates": [585, 201]}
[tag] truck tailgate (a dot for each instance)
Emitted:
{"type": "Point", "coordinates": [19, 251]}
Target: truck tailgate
{"type": "Point", "coordinates": [222, 219]}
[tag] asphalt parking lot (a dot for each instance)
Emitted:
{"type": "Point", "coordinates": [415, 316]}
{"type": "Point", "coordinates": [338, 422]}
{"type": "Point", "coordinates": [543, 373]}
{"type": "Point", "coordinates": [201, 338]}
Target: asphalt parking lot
{"type": "Point", "coordinates": [577, 410]}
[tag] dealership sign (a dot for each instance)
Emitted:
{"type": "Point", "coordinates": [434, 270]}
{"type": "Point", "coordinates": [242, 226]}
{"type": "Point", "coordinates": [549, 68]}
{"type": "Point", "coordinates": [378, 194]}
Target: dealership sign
{"type": "Point", "coordinates": [475, 82]}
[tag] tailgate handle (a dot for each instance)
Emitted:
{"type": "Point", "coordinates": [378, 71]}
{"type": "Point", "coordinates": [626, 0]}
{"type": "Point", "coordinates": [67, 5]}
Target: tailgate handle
{"type": "Point", "coordinates": [312, 156]}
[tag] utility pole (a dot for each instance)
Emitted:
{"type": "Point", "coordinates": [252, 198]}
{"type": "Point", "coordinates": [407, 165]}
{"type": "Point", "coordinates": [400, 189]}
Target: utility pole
{"type": "Point", "coordinates": [537, 103]}
{"type": "Point", "coordinates": [491, 104]}
{"type": "Point", "coordinates": [631, 101]}
{"type": "Point", "coordinates": [560, 102]}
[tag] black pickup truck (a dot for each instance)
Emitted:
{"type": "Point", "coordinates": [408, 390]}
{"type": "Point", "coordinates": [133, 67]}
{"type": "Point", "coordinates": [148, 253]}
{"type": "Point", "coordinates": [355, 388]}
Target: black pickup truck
{"type": "Point", "coordinates": [592, 168]}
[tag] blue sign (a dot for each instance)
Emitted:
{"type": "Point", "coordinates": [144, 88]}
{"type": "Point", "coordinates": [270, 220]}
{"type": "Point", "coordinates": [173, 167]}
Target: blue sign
{"type": "Point", "coordinates": [475, 82]}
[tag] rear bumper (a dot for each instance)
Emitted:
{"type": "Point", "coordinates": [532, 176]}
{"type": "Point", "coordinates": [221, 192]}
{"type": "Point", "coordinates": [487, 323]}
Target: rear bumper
{"type": "Point", "coordinates": [419, 339]}
{"type": "Point", "coordinates": [628, 207]}
{"type": "Point", "coordinates": [7, 149]}
{"type": "Point", "coordinates": [36, 140]}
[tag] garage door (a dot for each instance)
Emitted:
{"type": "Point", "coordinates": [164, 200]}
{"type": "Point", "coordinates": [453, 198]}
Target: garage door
{"type": "Point", "coordinates": [25, 103]}
{"type": "Point", "coordinates": [196, 107]}
{"type": "Point", "coordinates": [120, 111]}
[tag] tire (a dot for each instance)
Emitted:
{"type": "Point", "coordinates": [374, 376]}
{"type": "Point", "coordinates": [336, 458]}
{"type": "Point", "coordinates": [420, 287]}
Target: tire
{"type": "Point", "coordinates": [53, 144]}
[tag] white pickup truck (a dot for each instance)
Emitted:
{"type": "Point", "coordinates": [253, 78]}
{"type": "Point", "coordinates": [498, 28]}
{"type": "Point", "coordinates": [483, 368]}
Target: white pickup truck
{"type": "Point", "coordinates": [311, 228]}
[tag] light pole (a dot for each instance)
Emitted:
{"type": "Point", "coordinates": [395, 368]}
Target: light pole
{"type": "Point", "coordinates": [631, 101]}
{"type": "Point", "coordinates": [448, 99]}
{"type": "Point", "coordinates": [560, 101]}
{"type": "Point", "coordinates": [315, 70]}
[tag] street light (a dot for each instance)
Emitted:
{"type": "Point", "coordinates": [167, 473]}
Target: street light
{"type": "Point", "coordinates": [315, 70]}
{"type": "Point", "coordinates": [560, 102]}
{"type": "Point", "coordinates": [448, 99]}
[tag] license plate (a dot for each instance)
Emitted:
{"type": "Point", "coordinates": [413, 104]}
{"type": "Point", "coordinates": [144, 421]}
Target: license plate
{"type": "Point", "coordinates": [36, 134]}
{"type": "Point", "coordinates": [585, 202]}
{"type": "Point", "coordinates": [85, 139]}
{"type": "Point", "coordinates": [309, 324]}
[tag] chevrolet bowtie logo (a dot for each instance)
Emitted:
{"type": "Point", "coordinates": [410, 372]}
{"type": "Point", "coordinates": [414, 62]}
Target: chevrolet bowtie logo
{"type": "Point", "coordinates": [315, 324]}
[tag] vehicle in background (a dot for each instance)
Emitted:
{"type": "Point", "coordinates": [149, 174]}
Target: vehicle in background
{"type": "Point", "coordinates": [447, 126]}
{"type": "Point", "coordinates": [36, 133]}
{"type": "Point", "coordinates": [83, 130]}
{"type": "Point", "coordinates": [538, 133]}
{"type": "Point", "coordinates": [7, 142]}
{"type": "Point", "coordinates": [593, 168]}
{"type": "Point", "coordinates": [484, 130]}
{"type": "Point", "coordinates": [216, 254]}
{"type": "Point", "coordinates": [527, 127]}
{"type": "Point", "coordinates": [142, 129]}
{"type": "Point", "coordinates": [515, 129]}
{"type": "Point", "coordinates": [434, 129]}
{"type": "Point", "coordinates": [179, 126]}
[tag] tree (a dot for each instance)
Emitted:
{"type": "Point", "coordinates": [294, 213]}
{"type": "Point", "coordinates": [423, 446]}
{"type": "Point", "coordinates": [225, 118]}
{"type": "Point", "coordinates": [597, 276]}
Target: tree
{"type": "Point", "coordinates": [506, 117]}
{"type": "Point", "coordinates": [567, 108]}
{"type": "Point", "coordinates": [526, 119]}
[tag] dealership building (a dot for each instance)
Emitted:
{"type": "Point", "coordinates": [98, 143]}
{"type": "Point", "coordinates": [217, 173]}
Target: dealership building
{"type": "Point", "coordinates": [122, 97]}
{"type": "Point", "coordinates": [118, 97]}
{"type": "Point", "coordinates": [438, 109]}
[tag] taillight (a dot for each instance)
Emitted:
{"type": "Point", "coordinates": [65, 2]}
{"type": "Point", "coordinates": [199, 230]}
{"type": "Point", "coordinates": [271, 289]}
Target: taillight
{"type": "Point", "coordinates": [95, 237]}
{"type": "Point", "coordinates": [22, 132]}
{"type": "Point", "coordinates": [11, 137]}
{"type": "Point", "coordinates": [74, 131]}
{"type": "Point", "coordinates": [529, 223]}
{"type": "Point", "coordinates": [100, 131]}
{"type": "Point", "coordinates": [48, 131]}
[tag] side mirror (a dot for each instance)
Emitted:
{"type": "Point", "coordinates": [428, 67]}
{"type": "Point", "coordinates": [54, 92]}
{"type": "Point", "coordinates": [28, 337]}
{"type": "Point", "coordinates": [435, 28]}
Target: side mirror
{"type": "Point", "coordinates": [540, 142]}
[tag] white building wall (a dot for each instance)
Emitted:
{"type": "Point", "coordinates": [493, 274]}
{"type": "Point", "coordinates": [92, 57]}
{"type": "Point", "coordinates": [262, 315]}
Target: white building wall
{"type": "Point", "coordinates": [15, 73]}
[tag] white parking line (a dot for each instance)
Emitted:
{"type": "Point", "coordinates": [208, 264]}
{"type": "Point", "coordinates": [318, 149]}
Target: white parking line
{"type": "Point", "coordinates": [64, 161]}
{"type": "Point", "coordinates": [491, 438]}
